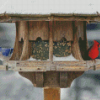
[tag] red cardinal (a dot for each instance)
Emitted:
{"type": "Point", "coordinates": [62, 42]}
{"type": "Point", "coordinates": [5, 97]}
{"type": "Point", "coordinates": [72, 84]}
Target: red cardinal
{"type": "Point", "coordinates": [94, 50]}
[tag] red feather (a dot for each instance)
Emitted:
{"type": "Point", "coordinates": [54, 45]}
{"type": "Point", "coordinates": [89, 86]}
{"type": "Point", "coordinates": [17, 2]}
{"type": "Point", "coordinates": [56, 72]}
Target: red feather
{"type": "Point", "coordinates": [94, 50]}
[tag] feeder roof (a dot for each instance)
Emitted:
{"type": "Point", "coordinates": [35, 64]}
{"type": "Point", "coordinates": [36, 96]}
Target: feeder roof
{"type": "Point", "coordinates": [48, 7]}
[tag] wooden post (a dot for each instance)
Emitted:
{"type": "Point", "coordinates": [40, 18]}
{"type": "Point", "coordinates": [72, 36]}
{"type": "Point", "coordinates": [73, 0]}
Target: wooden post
{"type": "Point", "coordinates": [51, 94]}
{"type": "Point", "coordinates": [50, 40]}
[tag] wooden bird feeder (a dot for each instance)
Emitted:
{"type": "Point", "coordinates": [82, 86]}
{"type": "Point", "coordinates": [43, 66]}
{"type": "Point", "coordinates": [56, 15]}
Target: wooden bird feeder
{"type": "Point", "coordinates": [50, 74]}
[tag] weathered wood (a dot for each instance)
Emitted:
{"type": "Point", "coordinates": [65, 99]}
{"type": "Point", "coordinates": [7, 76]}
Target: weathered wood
{"type": "Point", "coordinates": [63, 79]}
{"type": "Point", "coordinates": [83, 43]}
{"type": "Point", "coordinates": [4, 18]}
{"type": "Point", "coordinates": [71, 76]}
{"type": "Point", "coordinates": [43, 66]}
{"type": "Point", "coordinates": [79, 48]}
{"type": "Point", "coordinates": [63, 29]}
{"type": "Point", "coordinates": [18, 45]}
{"type": "Point", "coordinates": [56, 17]}
{"type": "Point", "coordinates": [38, 29]}
{"type": "Point", "coordinates": [25, 51]}
{"type": "Point", "coordinates": [51, 79]}
{"type": "Point", "coordinates": [21, 30]}
{"type": "Point", "coordinates": [51, 40]}
{"type": "Point", "coordinates": [30, 49]}
{"type": "Point", "coordinates": [51, 93]}
{"type": "Point", "coordinates": [29, 75]}
{"type": "Point", "coordinates": [28, 69]}
{"type": "Point", "coordinates": [39, 79]}
{"type": "Point", "coordinates": [18, 51]}
{"type": "Point", "coordinates": [75, 44]}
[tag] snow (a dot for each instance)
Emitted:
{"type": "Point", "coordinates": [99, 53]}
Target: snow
{"type": "Point", "coordinates": [68, 58]}
{"type": "Point", "coordinates": [33, 59]}
{"type": "Point", "coordinates": [49, 6]}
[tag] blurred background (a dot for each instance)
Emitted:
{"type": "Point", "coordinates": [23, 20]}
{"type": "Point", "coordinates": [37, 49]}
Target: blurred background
{"type": "Point", "coordinates": [15, 87]}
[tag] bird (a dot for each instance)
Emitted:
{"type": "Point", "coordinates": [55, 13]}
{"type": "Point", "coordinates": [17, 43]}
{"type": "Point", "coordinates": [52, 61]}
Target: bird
{"type": "Point", "coordinates": [93, 51]}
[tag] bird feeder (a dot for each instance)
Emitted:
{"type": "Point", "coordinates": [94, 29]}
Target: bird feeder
{"type": "Point", "coordinates": [39, 36]}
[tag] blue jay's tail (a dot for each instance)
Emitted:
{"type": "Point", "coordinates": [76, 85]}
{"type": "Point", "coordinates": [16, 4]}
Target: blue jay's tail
{"type": "Point", "coordinates": [6, 51]}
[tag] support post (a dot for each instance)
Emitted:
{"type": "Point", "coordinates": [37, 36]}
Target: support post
{"type": "Point", "coordinates": [51, 93]}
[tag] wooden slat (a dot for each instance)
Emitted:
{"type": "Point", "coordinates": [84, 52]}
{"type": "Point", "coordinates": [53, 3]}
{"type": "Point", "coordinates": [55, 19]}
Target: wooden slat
{"type": "Point", "coordinates": [28, 69]}
{"type": "Point", "coordinates": [75, 44]}
{"type": "Point", "coordinates": [18, 45]}
{"type": "Point", "coordinates": [38, 29]}
{"type": "Point", "coordinates": [25, 51]}
{"type": "Point", "coordinates": [51, 93]}
{"type": "Point", "coordinates": [51, 79]}
{"type": "Point", "coordinates": [39, 79]}
{"type": "Point", "coordinates": [59, 65]}
{"type": "Point", "coordinates": [56, 17]}
{"type": "Point", "coordinates": [72, 75]}
{"type": "Point", "coordinates": [63, 79]}
{"type": "Point", "coordinates": [51, 40]}
{"type": "Point", "coordinates": [21, 30]}
{"type": "Point", "coordinates": [63, 29]}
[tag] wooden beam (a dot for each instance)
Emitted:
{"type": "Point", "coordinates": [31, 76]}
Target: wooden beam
{"type": "Point", "coordinates": [51, 93]}
{"type": "Point", "coordinates": [42, 66]}
{"type": "Point", "coordinates": [59, 17]}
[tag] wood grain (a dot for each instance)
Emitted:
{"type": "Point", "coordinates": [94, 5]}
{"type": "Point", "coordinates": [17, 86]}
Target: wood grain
{"type": "Point", "coordinates": [62, 29]}
{"type": "Point", "coordinates": [44, 66]}
{"type": "Point", "coordinates": [39, 79]}
{"type": "Point", "coordinates": [18, 45]}
{"type": "Point", "coordinates": [75, 44]}
{"type": "Point", "coordinates": [25, 51]}
{"type": "Point", "coordinates": [51, 93]}
{"type": "Point", "coordinates": [64, 79]}
{"type": "Point", "coordinates": [38, 29]}
{"type": "Point", "coordinates": [51, 40]}
{"type": "Point", "coordinates": [51, 79]}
